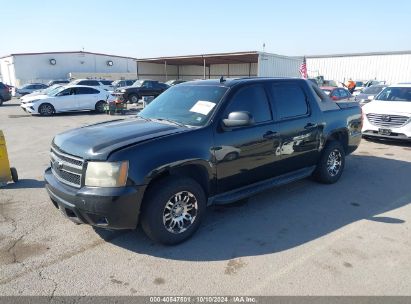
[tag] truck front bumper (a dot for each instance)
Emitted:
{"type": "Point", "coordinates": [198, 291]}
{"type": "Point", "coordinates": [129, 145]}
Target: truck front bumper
{"type": "Point", "coordinates": [112, 208]}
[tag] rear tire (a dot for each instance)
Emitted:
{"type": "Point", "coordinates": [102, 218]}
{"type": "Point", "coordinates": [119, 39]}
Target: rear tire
{"type": "Point", "coordinates": [1, 101]}
{"type": "Point", "coordinates": [133, 98]}
{"type": "Point", "coordinates": [173, 209]}
{"type": "Point", "coordinates": [46, 109]}
{"type": "Point", "coordinates": [331, 164]}
{"type": "Point", "coordinates": [14, 175]}
{"type": "Point", "coordinates": [99, 108]}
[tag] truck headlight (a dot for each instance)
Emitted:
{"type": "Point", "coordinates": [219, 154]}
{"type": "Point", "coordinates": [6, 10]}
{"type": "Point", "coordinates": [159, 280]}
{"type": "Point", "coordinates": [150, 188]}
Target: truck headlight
{"type": "Point", "coordinates": [122, 91]}
{"type": "Point", "coordinates": [106, 174]}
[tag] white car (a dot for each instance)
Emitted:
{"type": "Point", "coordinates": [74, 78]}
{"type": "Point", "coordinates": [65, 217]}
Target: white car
{"type": "Point", "coordinates": [389, 114]}
{"type": "Point", "coordinates": [103, 84]}
{"type": "Point", "coordinates": [68, 99]}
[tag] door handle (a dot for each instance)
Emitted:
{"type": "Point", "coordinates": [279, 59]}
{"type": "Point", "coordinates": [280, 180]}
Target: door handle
{"type": "Point", "coordinates": [310, 125]}
{"type": "Point", "coordinates": [270, 134]}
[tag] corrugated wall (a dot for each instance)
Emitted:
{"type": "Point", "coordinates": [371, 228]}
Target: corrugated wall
{"type": "Point", "coordinates": [270, 65]}
{"type": "Point", "coordinates": [391, 67]}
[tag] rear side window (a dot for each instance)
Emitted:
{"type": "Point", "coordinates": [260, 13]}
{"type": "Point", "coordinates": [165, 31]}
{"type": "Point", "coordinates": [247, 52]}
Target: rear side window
{"type": "Point", "coordinates": [106, 82]}
{"type": "Point", "coordinates": [290, 100]}
{"type": "Point", "coordinates": [86, 91]}
{"type": "Point", "coordinates": [252, 99]}
{"type": "Point", "coordinates": [89, 83]}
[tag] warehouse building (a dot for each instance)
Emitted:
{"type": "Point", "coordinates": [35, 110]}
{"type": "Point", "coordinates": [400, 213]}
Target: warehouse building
{"type": "Point", "coordinates": [208, 66]}
{"type": "Point", "coordinates": [18, 69]}
{"type": "Point", "coordinates": [391, 67]}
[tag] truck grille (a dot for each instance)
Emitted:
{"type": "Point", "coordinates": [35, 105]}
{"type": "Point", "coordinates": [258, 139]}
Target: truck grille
{"type": "Point", "coordinates": [386, 120]}
{"type": "Point", "coordinates": [66, 168]}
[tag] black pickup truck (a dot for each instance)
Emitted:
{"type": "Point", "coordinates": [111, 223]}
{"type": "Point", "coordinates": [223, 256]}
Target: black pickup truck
{"type": "Point", "coordinates": [197, 144]}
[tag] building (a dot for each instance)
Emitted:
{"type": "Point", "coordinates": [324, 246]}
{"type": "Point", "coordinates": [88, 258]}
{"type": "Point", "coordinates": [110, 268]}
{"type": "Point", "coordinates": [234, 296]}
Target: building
{"type": "Point", "coordinates": [18, 69]}
{"type": "Point", "coordinates": [206, 66]}
{"type": "Point", "coordinates": [391, 67]}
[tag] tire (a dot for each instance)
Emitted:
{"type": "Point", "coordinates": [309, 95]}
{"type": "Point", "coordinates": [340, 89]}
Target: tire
{"type": "Point", "coordinates": [133, 98]}
{"type": "Point", "coordinates": [1, 101]}
{"type": "Point", "coordinates": [163, 219]}
{"type": "Point", "coordinates": [46, 109]}
{"type": "Point", "coordinates": [99, 108]}
{"type": "Point", "coordinates": [331, 164]}
{"type": "Point", "coordinates": [14, 175]}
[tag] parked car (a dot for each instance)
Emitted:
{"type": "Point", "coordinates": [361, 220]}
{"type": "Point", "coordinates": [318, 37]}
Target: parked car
{"type": "Point", "coordinates": [369, 93]}
{"type": "Point", "coordinates": [337, 93]}
{"type": "Point", "coordinates": [30, 88]}
{"type": "Point", "coordinates": [103, 84]}
{"type": "Point", "coordinates": [389, 114]}
{"type": "Point", "coordinates": [161, 167]}
{"type": "Point", "coordinates": [68, 99]}
{"type": "Point", "coordinates": [140, 89]}
{"type": "Point", "coordinates": [174, 82]}
{"type": "Point", "coordinates": [34, 95]}
{"type": "Point", "coordinates": [123, 83]}
{"type": "Point", "coordinates": [5, 94]}
{"type": "Point", "coordinates": [57, 81]}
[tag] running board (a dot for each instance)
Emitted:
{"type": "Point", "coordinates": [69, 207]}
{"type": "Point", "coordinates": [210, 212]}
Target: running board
{"type": "Point", "coordinates": [250, 190]}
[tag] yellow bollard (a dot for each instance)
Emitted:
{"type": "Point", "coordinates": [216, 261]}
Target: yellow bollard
{"type": "Point", "coordinates": [7, 174]}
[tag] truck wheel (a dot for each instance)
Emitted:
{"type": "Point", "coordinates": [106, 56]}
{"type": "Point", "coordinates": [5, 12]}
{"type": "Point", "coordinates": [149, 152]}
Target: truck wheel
{"type": "Point", "coordinates": [14, 175]}
{"type": "Point", "coordinates": [1, 101]}
{"type": "Point", "coordinates": [331, 164]}
{"type": "Point", "coordinates": [133, 98]}
{"type": "Point", "coordinates": [173, 210]}
{"type": "Point", "coordinates": [100, 106]}
{"type": "Point", "coordinates": [46, 109]}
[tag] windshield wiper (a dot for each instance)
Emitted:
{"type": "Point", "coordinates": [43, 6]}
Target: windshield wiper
{"type": "Point", "coordinates": [171, 121]}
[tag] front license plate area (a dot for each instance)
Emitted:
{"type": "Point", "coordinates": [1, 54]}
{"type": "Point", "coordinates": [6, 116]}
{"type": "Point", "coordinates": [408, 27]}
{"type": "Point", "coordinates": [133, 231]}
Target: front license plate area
{"type": "Point", "coordinates": [382, 131]}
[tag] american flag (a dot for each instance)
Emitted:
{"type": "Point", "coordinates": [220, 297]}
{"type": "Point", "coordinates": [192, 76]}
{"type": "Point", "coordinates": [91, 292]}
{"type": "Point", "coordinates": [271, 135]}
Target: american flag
{"type": "Point", "coordinates": [303, 69]}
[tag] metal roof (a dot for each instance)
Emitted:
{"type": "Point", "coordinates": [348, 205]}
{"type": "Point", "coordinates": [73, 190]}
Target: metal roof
{"type": "Point", "coordinates": [360, 54]}
{"type": "Point", "coordinates": [219, 58]}
{"type": "Point", "coordinates": [71, 52]}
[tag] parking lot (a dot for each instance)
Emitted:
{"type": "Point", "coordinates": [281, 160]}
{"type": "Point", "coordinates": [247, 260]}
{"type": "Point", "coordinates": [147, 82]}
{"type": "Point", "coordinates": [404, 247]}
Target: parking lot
{"type": "Point", "coordinates": [349, 238]}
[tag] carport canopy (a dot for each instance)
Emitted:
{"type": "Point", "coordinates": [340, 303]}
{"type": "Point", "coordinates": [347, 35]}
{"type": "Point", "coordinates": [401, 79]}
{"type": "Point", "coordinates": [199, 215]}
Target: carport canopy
{"type": "Point", "coordinates": [206, 59]}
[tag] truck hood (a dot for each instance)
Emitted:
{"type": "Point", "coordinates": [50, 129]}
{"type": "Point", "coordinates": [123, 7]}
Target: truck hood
{"type": "Point", "coordinates": [97, 141]}
{"type": "Point", "coordinates": [388, 107]}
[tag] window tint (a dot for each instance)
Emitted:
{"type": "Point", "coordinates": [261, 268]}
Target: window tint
{"type": "Point", "coordinates": [251, 99]}
{"type": "Point", "coordinates": [290, 100]}
{"type": "Point", "coordinates": [336, 93]}
{"type": "Point", "coordinates": [106, 82]}
{"type": "Point", "coordinates": [87, 91]}
{"type": "Point", "coordinates": [343, 93]}
{"type": "Point", "coordinates": [93, 83]}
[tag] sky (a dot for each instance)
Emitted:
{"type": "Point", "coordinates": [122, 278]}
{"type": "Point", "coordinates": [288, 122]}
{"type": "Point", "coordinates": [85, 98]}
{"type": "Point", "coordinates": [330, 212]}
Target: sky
{"type": "Point", "coordinates": [166, 28]}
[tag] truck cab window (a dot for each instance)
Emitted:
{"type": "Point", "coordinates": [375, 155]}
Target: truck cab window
{"type": "Point", "coordinates": [252, 99]}
{"type": "Point", "coordinates": [290, 100]}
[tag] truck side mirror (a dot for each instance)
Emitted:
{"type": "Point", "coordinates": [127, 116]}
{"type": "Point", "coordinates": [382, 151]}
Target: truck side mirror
{"type": "Point", "coordinates": [238, 119]}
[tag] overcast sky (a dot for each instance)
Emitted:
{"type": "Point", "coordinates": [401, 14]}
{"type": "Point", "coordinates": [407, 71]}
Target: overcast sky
{"type": "Point", "coordinates": [165, 28]}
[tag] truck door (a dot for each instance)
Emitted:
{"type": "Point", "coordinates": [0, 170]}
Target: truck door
{"type": "Point", "coordinates": [298, 126]}
{"type": "Point", "coordinates": [245, 155]}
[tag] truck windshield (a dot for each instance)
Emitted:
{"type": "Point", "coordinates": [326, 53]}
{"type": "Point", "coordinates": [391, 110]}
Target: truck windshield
{"type": "Point", "coordinates": [189, 105]}
{"type": "Point", "coordinates": [395, 94]}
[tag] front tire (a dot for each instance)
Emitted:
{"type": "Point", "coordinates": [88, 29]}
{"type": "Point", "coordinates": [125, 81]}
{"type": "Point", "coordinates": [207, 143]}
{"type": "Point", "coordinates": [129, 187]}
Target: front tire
{"type": "Point", "coordinates": [46, 109]}
{"type": "Point", "coordinates": [331, 164]}
{"type": "Point", "coordinates": [173, 209]}
{"type": "Point", "coordinates": [1, 101]}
